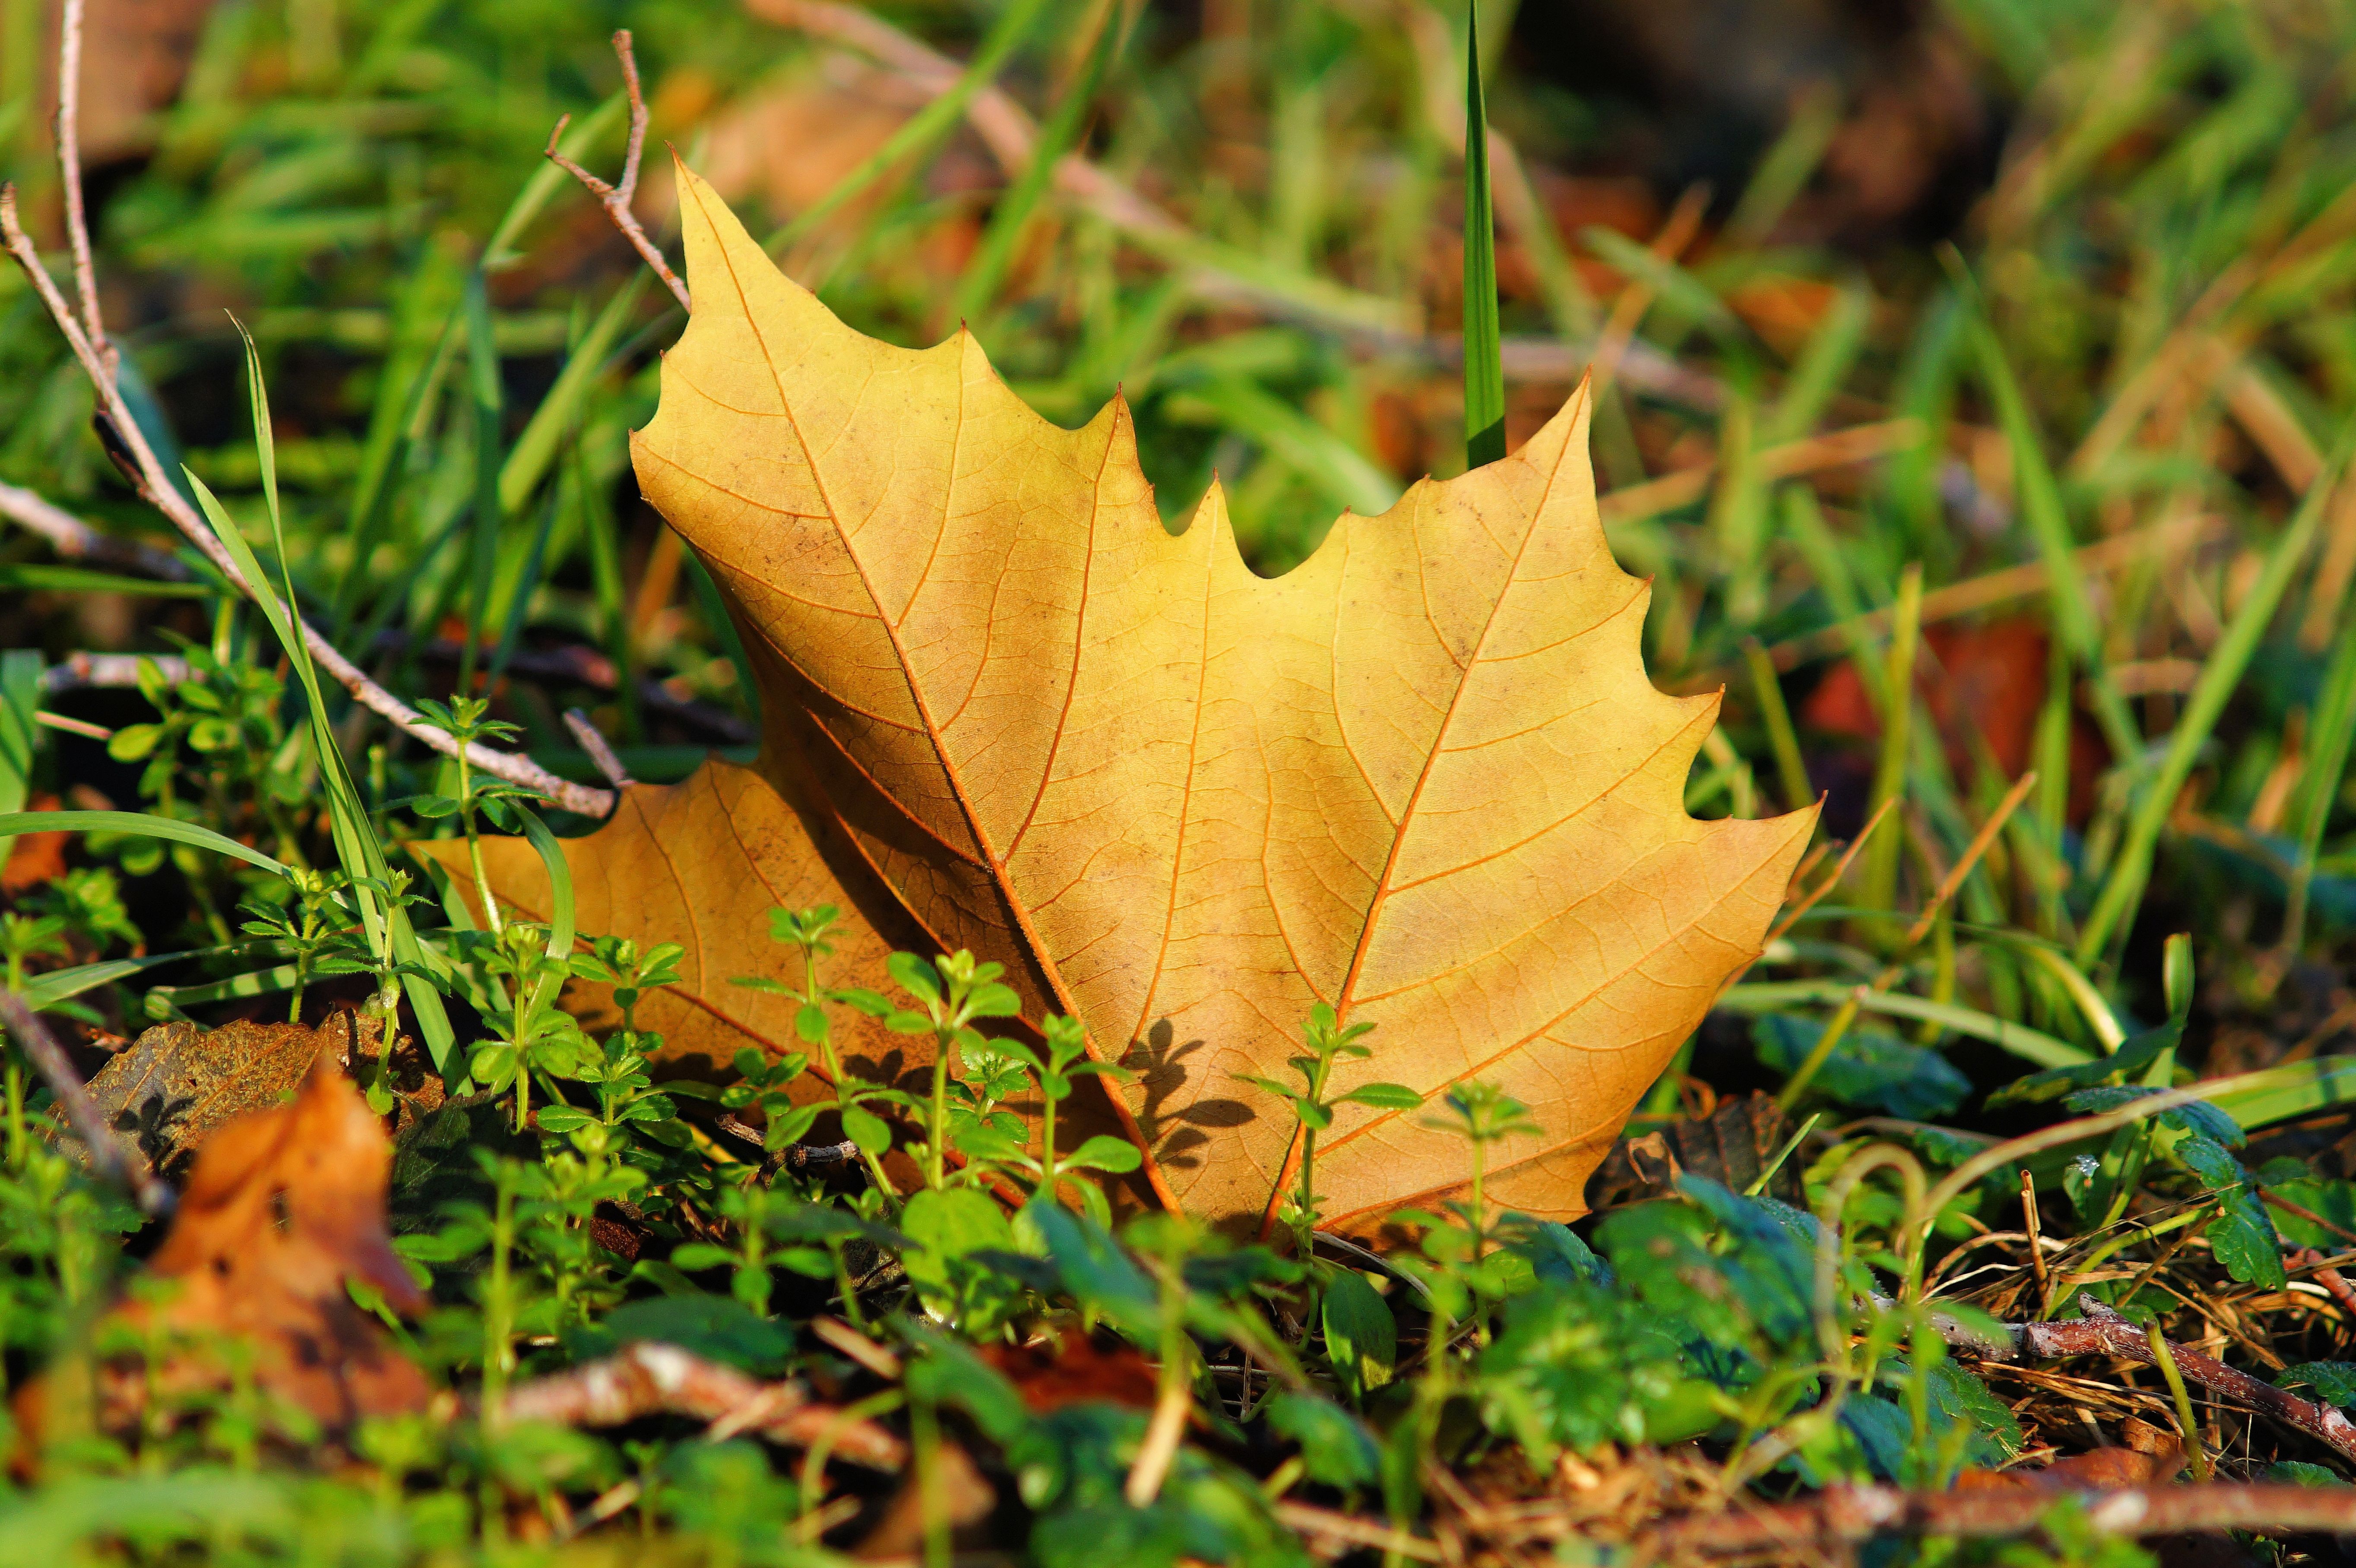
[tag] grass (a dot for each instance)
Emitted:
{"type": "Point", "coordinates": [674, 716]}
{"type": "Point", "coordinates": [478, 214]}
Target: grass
{"type": "Point", "coordinates": [2110, 544]}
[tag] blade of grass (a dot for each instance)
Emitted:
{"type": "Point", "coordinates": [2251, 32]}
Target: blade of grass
{"type": "Point", "coordinates": [560, 900]}
{"type": "Point", "coordinates": [526, 581]}
{"type": "Point", "coordinates": [1336, 466]}
{"type": "Point", "coordinates": [1484, 365]}
{"type": "Point", "coordinates": [927, 127]}
{"type": "Point", "coordinates": [43, 991]}
{"type": "Point", "coordinates": [172, 1001]}
{"type": "Point", "coordinates": [1823, 364]}
{"type": "Point", "coordinates": [1804, 526]}
{"type": "Point", "coordinates": [2327, 764]}
{"type": "Point", "coordinates": [1880, 889]}
{"type": "Point", "coordinates": [1737, 512]}
{"type": "Point", "coordinates": [606, 585]}
{"type": "Point", "coordinates": [2018, 1040]}
{"type": "Point", "coordinates": [1785, 168]}
{"type": "Point", "coordinates": [138, 824]}
{"type": "Point", "coordinates": [2223, 672]}
{"type": "Point", "coordinates": [2039, 498]}
{"type": "Point", "coordinates": [35, 577]}
{"type": "Point", "coordinates": [535, 450]}
{"type": "Point", "coordinates": [724, 631]}
{"type": "Point", "coordinates": [489, 403]}
{"type": "Point", "coordinates": [1790, 770]}
{"type": "Point", "coordinates": [499, 253]}
{"type": "Point", "coordinates": [1011, 213]}
{"type": "Point", "coordinates": [383, 921]}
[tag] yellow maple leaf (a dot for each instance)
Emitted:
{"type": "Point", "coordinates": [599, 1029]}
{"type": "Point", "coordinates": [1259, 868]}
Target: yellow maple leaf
{"type": "Point", "coordinates": [1421, 778]}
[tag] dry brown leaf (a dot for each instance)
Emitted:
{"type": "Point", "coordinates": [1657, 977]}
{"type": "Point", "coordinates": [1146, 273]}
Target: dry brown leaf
{"type": "Point", "coordinates": [1421, 778]}
{"type": "Point", "coordinates": [283, 1207]}
{"type": "Point", "coordinates": [176, 1084]}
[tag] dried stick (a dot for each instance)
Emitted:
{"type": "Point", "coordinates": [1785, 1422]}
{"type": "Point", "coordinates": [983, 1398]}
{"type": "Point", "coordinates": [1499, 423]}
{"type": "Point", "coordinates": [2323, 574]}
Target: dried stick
{"type": "Point", "coordinates": [615, 198]}
{"type": "Point", "coordinates": [109, 1155]}
{"type": "Point", "coordinates": [652, 1378]}
{"type": "Point", "coordinates": [70, 173]}
{"type": "Point", "coordinates": [81, 671]}
{"type": "Point", "coordinates": [2333, 1282]}
{"type": "Point", "coordinates": [78, 540]}
{"type": "Point", "coordinates": [157, 490]}
{"type": "Point", "coordinates": [2102, 1332]}
{"type": "Point", "coordinates": [600, 752]}
{"type": "Point", "coordinates": [1846, 1516]}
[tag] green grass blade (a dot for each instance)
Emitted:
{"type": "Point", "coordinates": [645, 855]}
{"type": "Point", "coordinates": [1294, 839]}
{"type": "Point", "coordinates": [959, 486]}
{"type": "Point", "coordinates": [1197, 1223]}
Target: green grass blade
{"type": "Point", "coordinates": [1013, 211]}
{"type": "Point", "coordinates": [172, 1001]}
{"type": "Point", "coordinates": [1790, 769]}
{"type": "Point", "coordinates": [548, 179]}
{"type": "Point", "coordinates": [1823, 366]}
{"type": "Point", "coordinates": [2039, 497]}
{"type": "Point", "coordinates": [597, 525]}
{"type": "Point", "coordinates": [41, 579]}
{"type": "Point", "coordinates": [42, 991]}
{"type": "Point", "coordinates": [1336, 466]}
{"type": "Point", "coordinates": [2327, 765]}
{"type": "Point", "coordinates": [137, 824]}
{"type": "Point", "coordinates": [1881, 880]}
{"type": "Point", "coordinates": [535, 450]}
{"type": "Point", "coordinates": [927, 126]}
{"type": "Point", "coordinates": [1788, 165]}
{"type": "Point", "coordinates": [560, 899]}
{"type": "Point", "coordinates": [385, 925]}
{"type": "Point", "coordinates": [1738, 511]}
{"type": "Point", "coordinates": [2295, 1089]}
{"type": "Point", "coordinates": [489, 401]}
{"type": "Point", "coordinates": [20, 699]}
{"type": "Point", "coordinates": [1484, 367]}
{"type": "Point", "coordinates": [2018, 1040]}
{"type": "Point", "coordinates": [528, 577]}
{"type": "Point", "coordinates": [2131, 866]}
{"type": "Point", "coordinates": [724, 631]}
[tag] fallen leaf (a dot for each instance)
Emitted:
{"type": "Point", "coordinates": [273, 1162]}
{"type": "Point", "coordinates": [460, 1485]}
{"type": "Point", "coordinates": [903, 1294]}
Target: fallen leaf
{"type": "Point", "coordinates": [1730, 1147]}
{"type": "Point", "coordinates": [176, 1083]}
{"type": "Point", "coordinates": [283, 1207]}
{"type": "Point", "coordinates": [2097, 1469]}
{"type": "Point", "coordinates": [1067, 1371]}
{"type": "Point", "coordinates": [964, 1498]}
{"type": "Point", "coordinates": [1421, 778]}
{"type": "Point", "coordinates": [1989, 680]}
{"type": "Point", "coordinates": [35, 859]}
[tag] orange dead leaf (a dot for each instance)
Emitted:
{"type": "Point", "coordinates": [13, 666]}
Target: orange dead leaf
{"type": "Point", "coordinates": [1421, 778]}
{"type": "Point", "coordinates": [35, 859]}
{"type": "Point", "coordinates": [283, 1207]}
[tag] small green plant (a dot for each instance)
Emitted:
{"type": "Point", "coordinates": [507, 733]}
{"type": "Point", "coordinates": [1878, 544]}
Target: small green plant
{"type": "Point", "coordinates": [1330, 1044]}
{"type": "Point", "coordinates": [465, 720]}
{"type": "Point", "coordinates": [315, 927]}
{"type": "Point", "coordinates": [540, 1037]}
{"type": "Point", "coordinates": [951, 992]}
{"type": "Point", "coordinates": [812, 930]}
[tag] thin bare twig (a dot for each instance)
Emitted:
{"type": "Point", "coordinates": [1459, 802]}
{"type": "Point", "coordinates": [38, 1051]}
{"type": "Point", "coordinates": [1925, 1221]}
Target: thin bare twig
{"type": "Point", "coordinates": [109, 1155]}
{"type": "Point", "coordinates": [80, 670]}
{"type": "Point", "coordinates": [600, 752]}
{"type": "Point", "coordinates": [1845, 1516]}
{"type": "Point", "coordinates": [69, 171]}
{"type": "Point", "coordinates": [157, 490]}
{"type": "Point", "coordinates": [2102, 1332]}
{"type": "Point", "coordinates": [615, 198]}
{"type": "Point", "coordinates": [653, 1378]}
{"type": "Point", "coordinates": [78, 540]}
